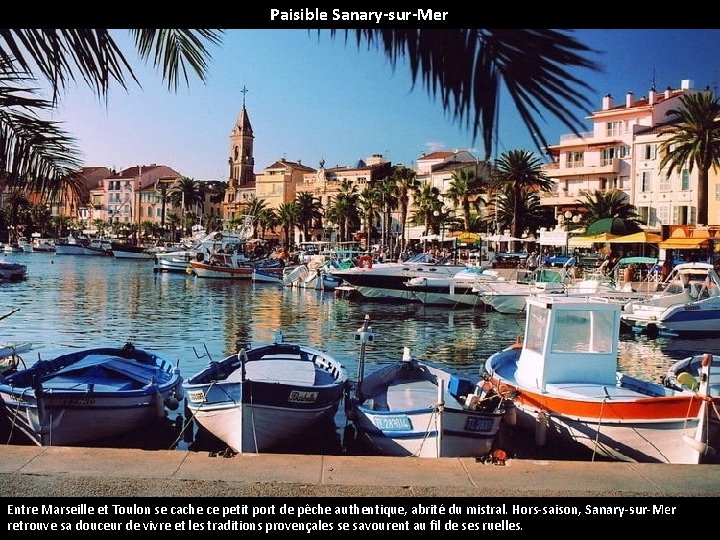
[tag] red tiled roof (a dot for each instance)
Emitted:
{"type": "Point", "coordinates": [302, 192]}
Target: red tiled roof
{"type": "Point", "coordinates": [437, 155]}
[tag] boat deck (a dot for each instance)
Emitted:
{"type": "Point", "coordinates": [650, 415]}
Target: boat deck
{"type": "Point", "coordinates": [592, 391]}
{"type": "Point", "coordinates": [407, 395]}
{"type": "Point", "coordinates": [283, 371]}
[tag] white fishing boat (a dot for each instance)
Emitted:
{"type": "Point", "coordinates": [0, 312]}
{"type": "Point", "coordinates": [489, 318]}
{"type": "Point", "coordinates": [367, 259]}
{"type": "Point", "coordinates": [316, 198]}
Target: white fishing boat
{"type": "Point", "coordinates": [412, 408]}
{"type": "Point", "coordinates": [199, 249]}
{"type": "Point", "coordinates": [124, 250]}
{"type": "Point", "coordinates": [266, 396]}
{"type": "Point", "coordinates": [565, 386]}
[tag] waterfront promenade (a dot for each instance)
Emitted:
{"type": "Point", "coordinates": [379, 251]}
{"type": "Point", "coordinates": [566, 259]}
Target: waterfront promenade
{"type": "Point", "coordinates": [30, 471]}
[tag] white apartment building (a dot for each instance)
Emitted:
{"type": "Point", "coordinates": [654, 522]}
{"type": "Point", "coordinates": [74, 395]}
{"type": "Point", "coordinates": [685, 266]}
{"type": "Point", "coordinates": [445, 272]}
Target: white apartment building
{"type": "Point", "coordinates": [621, 152]}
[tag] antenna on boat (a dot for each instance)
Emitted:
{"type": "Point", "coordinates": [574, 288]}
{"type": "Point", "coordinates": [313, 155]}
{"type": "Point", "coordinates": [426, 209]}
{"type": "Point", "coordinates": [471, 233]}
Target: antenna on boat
{"type": "Point", "coordinates": [363, 335]}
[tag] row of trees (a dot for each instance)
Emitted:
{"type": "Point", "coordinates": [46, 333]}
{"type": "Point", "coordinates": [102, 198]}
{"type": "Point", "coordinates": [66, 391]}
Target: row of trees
{"type": "Point", "coordinates": [507, 198]}
{"type": "Point", "coordinates": [37, 156]}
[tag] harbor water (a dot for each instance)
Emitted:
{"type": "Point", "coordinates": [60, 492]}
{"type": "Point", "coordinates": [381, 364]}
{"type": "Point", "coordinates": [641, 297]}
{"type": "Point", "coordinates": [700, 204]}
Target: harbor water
{"type": "Point", "coordinates": [73, 302]}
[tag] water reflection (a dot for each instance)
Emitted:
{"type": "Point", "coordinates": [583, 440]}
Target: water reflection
{"type": "Point", "coordinates": [77, 302]}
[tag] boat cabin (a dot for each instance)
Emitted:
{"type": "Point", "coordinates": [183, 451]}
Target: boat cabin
{"type": "Point", "coordinates": [569, 340]}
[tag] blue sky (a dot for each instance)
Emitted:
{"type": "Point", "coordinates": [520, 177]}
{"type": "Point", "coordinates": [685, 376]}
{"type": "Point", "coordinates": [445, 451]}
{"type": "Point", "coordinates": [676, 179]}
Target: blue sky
{"type": "Point", "coordinates": [311, 97]}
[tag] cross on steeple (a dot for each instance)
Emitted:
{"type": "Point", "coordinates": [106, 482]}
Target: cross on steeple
{"type": "Point", "coordinates": [244, 91]}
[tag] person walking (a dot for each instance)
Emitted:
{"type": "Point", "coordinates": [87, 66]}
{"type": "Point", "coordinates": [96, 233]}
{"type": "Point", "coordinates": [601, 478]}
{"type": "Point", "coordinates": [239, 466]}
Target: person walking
{"type": "Point", "coordinates": [533, 261]}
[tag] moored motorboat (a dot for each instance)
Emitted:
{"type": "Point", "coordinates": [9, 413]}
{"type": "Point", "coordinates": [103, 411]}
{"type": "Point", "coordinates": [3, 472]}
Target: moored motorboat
{"type": "Point", "coordinates": [90, 394]}
{"type": "Point", "coordinates": [266, 396]}
{"type": "Point", "coordinates": [456, 290]}
{"type": "Point", "coordinates": [199, 248]}
{"type": "Point", "coordinates": [565, 385]}
{"type": "Point", "coordinates": [688, 302]}
{"type": "Point", "coordinates": [83, 246]}
{"type": "Point", "coordinates": [123, 250]}
{"type": "Point", "coordinates": [387, 281]}
{"type": "Point", "coordinates": [412, 408]}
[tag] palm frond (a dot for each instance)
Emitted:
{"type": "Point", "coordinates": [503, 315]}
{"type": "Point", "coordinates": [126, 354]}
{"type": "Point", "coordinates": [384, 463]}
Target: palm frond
{"type": "Point", "coordinates": [60, 54]}
{"type": "Point", "coordinates": [466, 67]}
{"type": "Point", "coordinates": [177, 51]}
{"type": "Point", "coordinates": [35, 154]}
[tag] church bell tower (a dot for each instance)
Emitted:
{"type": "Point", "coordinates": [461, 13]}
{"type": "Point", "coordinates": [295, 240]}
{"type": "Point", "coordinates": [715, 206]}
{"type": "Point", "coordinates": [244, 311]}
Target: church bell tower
{"type": "Point", "coordinates": [241, 158]}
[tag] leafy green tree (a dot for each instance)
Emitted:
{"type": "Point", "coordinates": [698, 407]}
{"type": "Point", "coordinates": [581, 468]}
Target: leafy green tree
{"type": "Point", "coordinates": [517, 173]}
{"type": "Point", "coordinates": [694, 142]}
{"type": "Point", "coordinates": [16, 204]}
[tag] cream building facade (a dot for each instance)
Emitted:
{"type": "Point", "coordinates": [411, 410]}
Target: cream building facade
{"type": "Point", "coordinates": [622, 152]}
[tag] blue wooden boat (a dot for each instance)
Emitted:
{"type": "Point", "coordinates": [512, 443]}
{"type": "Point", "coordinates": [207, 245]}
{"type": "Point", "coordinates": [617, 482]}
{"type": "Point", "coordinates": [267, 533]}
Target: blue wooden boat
{"type": "Point", "coordinates": [89, 395]}
{"type": "Point", "coordinates": [263, 397]}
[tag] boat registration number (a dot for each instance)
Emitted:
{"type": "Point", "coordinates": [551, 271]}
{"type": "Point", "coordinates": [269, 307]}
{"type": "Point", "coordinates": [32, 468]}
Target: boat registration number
{"type": "Point", "coordinates": [478, 424]}
{"type": "Point", "coordinates": [393, 423]}
{"type": "Point", "coordinates": [298, 396]}
{"type": "Point", "coordinates": [197, 396]}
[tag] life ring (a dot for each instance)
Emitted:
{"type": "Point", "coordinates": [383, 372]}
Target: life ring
{"type": "Point", "coordinates": [365, 261]}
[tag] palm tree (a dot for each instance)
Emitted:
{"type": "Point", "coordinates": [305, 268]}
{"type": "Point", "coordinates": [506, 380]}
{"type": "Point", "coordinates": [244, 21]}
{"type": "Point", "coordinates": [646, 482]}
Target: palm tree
{"type": "Point", "coordinates": [467, 66]}
{"type": "Point", "coordinates": [694, 141]}
{"type": "Point", "coordinates": [604, 204]}
{"type": "Point", "coordinates": [344, 209]}
{"type": "Point", "coordinates": [266, 219]}
{"type": "Point", "coordinates": [37, 154]}
{"type": "Point", "coordinates": [532, 214]}
{"type": "Point", "coordinates": [427, 202]}
{"type": "Point", "coordinates": [185, 193]}
{"type": "Point", "coordinates": [464, 186]}
{"type": "Point", "coordinates": [369, 200]}
{"type": "Point", "coordinates": [520, 171]}
{"type": "Point", "coordinates": [406, 183]}
{"type": "Point", "coordinates": [388, 198]}
{"type": "Point", "coordinates": [288, 214]}
{"type": "Point", "coordinates": [309, 213]}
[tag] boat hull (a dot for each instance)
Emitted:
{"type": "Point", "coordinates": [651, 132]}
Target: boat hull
{"type": "Point", "coordinates": [634, 421]}
{"type": "Point", "coordinates": [10, 271]}
{"type": "Point", "coordinates": [204, 270]}
{"type": "Point", "coordinates": [418, 433]}
{"type": "Point", "coordinates": [89, 395]}
{"type": "Point", "coordinates": [409, 409]}
{"type": "Point", "coordinates": [267, 397]}
{"type": "Point", "coordinates": [174, 262]}
{"type": "Point", "coordinates": [121, 251]}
